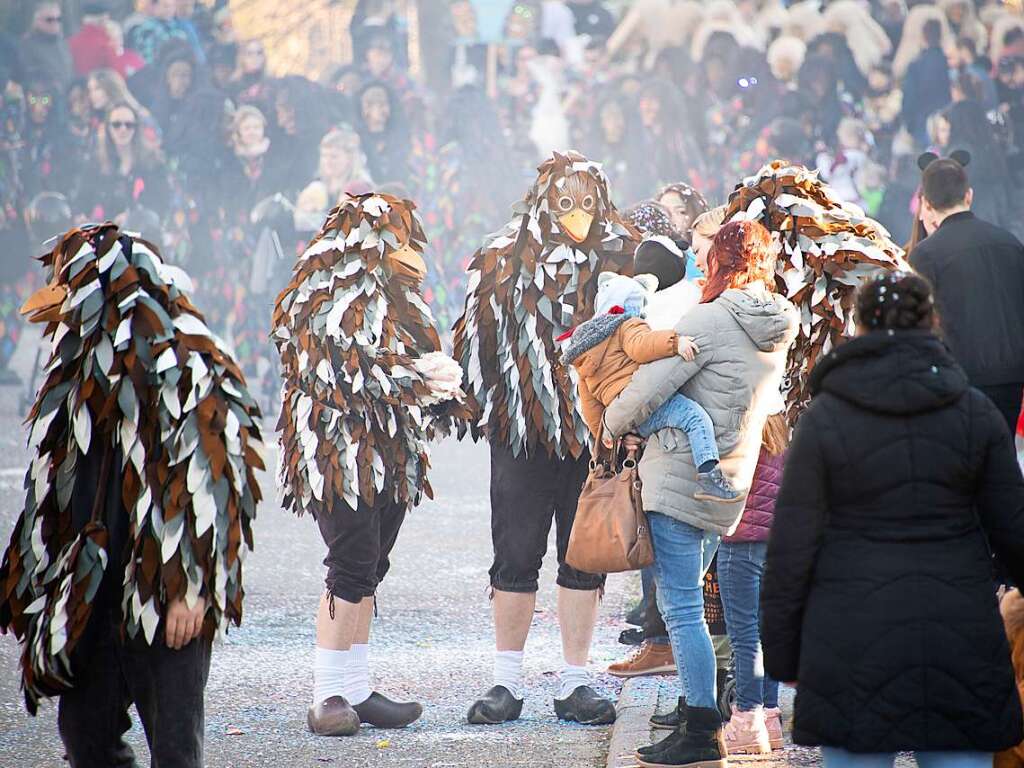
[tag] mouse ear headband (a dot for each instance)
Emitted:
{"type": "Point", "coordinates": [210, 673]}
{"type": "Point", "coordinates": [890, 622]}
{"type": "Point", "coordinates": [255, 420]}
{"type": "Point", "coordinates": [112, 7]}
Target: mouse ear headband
{"type": "Point", "coordinates": [959, 156]}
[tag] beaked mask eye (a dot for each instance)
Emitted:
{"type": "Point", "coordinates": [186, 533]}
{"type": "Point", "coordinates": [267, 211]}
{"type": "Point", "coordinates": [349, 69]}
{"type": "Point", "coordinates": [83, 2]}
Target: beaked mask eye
{"type": "Point", "coordinates": [588, 203]}
{"type": "Point", "coordinates": [565, 203]}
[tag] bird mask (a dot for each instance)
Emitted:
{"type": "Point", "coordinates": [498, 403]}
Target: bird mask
{"type": "Point", "coordinates": [574, 205]}
{"type": "Point", "coordinates": [44, 306]}
{"type": "Point", "coordinates": [406, 265]}
{"type": "Point", "coordinates": [570, 201]}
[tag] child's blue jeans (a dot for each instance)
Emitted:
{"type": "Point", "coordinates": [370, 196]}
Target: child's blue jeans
{"type": "Point", "coordinates": [679, 412]}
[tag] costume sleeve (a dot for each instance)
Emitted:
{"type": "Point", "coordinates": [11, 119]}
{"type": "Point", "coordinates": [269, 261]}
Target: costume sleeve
{"type": "Point", "coordinates": [592, 408]}
{"type": "Point", "coordinates": [1000, 490]}
{"type": "Point", "coordinates": [656, 382]}
{"type": "Point", "coordinates": [796, 537]}
{"type": "Point", "coordinates": [643, 345]}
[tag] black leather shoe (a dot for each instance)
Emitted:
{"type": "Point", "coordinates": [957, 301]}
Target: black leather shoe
{"type": "Point", "coordinates": [586, 706]}
{"type": "Point", "coordinates": [381, 712]}
{"type": "Point", "coordinates": [670, 720]}
{"type": "Point", "coordinates": [698, 744]}
{"type": "Point", "coordinates": [333, 717]}
{"type": "Point", "coordinates": [498, 705]}
{"type": "Point", "coordinates": [631, 636]}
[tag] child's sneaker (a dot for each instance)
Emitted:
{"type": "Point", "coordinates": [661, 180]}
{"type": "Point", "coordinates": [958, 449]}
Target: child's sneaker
{"type": "Point", "coordinates": [714, 486]}
{"type": "Point", "coordinates": [773, 719]}
{"type": "Point", "coordinates": [747, 734]}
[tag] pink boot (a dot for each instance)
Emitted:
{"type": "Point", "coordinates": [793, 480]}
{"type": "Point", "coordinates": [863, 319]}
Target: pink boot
{"type": "Point", "coordinates": [773, 719]}
{"type": "Point", "coordinates": [747, 734]}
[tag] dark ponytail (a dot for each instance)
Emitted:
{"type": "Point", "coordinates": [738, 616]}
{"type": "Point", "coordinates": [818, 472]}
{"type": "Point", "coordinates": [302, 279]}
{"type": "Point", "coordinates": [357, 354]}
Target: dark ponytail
{"type": "Point", "coordinates": [896, 301]}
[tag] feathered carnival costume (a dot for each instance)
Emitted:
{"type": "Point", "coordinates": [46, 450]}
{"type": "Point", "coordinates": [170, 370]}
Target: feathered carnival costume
{"type": "Point", "coordinates": [531, 281]}
{"type": "Point", "coordinates": [135, 371]}
{"type": "Point", "coordinates": [828, 248]}
{"type": "Point", "coordinates": [365, 384]}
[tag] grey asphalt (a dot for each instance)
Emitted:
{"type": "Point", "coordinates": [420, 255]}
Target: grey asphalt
{"type": "Point", "coordinates": [432, 642]}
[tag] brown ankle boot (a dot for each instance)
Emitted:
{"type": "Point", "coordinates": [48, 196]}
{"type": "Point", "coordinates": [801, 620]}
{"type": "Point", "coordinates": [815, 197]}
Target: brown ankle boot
{"type": "Point", "coordinates": [647, 659]}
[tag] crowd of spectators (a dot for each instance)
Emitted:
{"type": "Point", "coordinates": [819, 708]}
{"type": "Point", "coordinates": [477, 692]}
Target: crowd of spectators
{"type": "Point", "coordinates": [162, 119]}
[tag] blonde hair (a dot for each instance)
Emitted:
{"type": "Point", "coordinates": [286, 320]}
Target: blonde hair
{"type": "Point", "coordinates": [113, 84]}
{"type": "Point", "coordinates": [775, 436]}
{"type": "Point", "coordinates": [852, 133]}
{"type": "Point", "coordinates": [345, 139]}
{"type": "Point", "coordinates": [785, 56]}
{"type": "Point", "coordinates": [867, 39]}
{"type": "Point", "coordinates": [708, 223]}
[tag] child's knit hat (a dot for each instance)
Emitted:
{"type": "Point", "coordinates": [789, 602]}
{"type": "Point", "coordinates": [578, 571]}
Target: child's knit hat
{"type": "Point", "coordinates": [630, 293]}
{"type": "Point", "coordinates": [662, 257]}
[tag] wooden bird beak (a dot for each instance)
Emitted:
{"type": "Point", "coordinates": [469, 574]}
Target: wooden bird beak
{"type": "Point", "coordinates": [576, 224]}
{"type": "Point", "coordinates": [44, 306]}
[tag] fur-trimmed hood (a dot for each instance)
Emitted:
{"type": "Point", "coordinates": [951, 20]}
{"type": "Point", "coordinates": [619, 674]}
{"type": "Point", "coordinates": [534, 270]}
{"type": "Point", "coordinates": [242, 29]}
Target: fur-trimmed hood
{"type": "Point", "coordinates": [591, 333]}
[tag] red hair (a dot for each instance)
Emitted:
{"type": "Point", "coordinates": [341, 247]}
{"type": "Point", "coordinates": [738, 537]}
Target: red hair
{"type": "Point", "coordinates": [741, 253]}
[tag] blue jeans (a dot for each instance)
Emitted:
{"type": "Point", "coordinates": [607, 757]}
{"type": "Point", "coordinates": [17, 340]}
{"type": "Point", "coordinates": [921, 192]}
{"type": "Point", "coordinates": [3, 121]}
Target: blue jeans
{"type": "Point", "coordinates": [840, 758]}
{"type": "Point", "coordinates": [682, 555]}
{"type": "Point", "coordinates": [740, 568]}
{"type": "Point", "coordinates": [680, 412]}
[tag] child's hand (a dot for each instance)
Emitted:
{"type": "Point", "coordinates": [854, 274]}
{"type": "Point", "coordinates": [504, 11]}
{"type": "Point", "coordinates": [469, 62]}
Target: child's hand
{"type": "Point", "coordinates": [606, 440]}
{"type": "Point", "coordinates": [687, 349]}
{"type": "Point", "coordinates": [183, 624]}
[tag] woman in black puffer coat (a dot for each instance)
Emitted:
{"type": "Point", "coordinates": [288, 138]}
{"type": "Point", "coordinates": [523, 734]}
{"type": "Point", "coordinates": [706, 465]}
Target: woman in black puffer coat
{"type": "Point", "coordinates": [878, 595]}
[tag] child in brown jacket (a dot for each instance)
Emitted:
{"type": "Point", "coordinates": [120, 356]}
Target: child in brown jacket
{"type": "Point", "coordinates": [607, 350]}
{"type": "Point", "coordinates": [1012, 608]}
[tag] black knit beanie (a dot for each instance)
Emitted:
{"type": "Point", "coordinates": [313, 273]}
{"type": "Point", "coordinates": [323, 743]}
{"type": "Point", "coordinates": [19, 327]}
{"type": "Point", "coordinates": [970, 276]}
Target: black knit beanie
{"type": "Point", "coordinates": [662, 257]}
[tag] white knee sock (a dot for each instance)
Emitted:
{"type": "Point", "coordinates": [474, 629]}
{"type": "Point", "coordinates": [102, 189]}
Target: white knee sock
{"type": "Point", "coordinates": [572, 677]}
{"type": "Point", "coordinates": [329, 674]}
{"type": "Point", "coordinates": [508, 671]}
{"type": "Point", "coordinates": [342, 673]}
{"type": "Point", "coordinates": [357, 674]}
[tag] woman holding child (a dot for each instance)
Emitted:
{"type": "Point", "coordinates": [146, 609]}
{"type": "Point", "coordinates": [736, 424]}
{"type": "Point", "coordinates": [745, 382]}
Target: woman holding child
{"type": "Point", "coordinates": [740, 335]}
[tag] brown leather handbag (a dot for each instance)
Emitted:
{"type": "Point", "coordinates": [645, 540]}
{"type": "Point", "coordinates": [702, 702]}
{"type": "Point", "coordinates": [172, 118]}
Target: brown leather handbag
{"type": "Point", "coordinates": [610, 533]}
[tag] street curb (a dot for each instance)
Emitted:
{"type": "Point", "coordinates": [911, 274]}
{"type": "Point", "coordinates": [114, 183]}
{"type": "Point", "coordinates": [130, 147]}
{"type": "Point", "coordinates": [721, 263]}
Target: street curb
{"type": "Point", "coordinates": [637, 702]}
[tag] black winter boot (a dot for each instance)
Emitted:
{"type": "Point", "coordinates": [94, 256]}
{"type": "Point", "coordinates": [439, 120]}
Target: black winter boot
{"type": "Point", "coordinates": [699, 743]}
{"type": "Point", "coordinates": [670, 720]}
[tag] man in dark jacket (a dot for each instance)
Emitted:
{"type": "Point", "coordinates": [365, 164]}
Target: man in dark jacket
{"type": "Point", "coordinates": [44, 52]}
{"type": "Point", "coordinates": [977, 272]}
{"type": "Point", "coordinates": [926, 84]}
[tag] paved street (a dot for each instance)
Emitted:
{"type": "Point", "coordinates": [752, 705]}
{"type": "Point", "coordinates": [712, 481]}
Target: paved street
{"type": "Point", "coordinates": [432, 643]}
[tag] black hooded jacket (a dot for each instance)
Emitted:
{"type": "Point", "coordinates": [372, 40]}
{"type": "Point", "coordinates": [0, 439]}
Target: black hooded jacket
{"type": "Point", "coordinates": [878, 595]}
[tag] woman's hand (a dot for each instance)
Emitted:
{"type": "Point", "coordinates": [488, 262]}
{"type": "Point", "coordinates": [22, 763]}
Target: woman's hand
{"type": "Point", "coordinates": [183, 624]}
{"type": "Point", "coordinates": [687, 348]}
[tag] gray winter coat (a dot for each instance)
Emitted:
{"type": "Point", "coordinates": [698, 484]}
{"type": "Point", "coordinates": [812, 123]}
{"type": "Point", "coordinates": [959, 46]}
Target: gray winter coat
{"type": "Point", "coordinates": [744, 336]}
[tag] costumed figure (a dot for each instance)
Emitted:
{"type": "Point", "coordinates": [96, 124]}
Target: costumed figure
{"type": "Point", "coordinates": [127, 558]}
{"type": "Point", "coordinates": [365, 389]}
{"type": "Point", "coordinates": [827, 249]}
{"type": "Point", "coordinates": [530, 282]}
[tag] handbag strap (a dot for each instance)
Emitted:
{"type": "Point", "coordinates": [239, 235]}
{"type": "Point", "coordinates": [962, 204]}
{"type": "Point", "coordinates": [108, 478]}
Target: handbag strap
{"type": "Point", "coordinates": [599, 448]}
{"type": "Point", "coordinates": [613, 453]}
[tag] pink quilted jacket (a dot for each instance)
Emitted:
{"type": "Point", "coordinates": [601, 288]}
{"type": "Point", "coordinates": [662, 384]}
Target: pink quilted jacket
{"type": "Point", "coordinates": [760, 509]}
